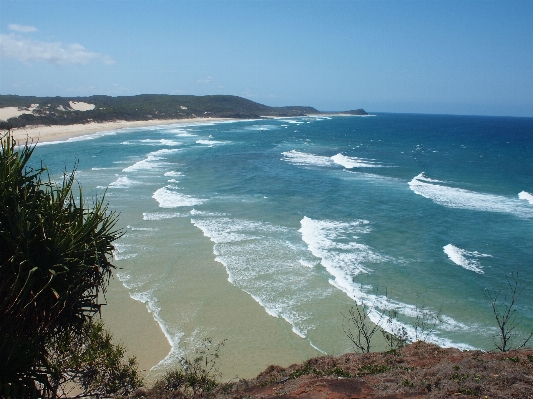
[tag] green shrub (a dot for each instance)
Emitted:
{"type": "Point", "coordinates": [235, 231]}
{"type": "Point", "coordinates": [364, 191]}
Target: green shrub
{"type": "Point", "coordinates": [54, 263]}
{"type": "Point", "coordinates": [90, 361]}
{"type": "Point", "coordinates": [193, 377]}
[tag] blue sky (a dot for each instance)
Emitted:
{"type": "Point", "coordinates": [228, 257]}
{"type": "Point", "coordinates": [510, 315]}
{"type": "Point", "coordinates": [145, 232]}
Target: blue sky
{"type": "Point", "coordinates": [457, 57]}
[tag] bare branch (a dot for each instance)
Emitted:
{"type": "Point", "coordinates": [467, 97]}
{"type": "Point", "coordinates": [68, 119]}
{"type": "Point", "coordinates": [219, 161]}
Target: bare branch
{"type": "Point", "coordinates": [504, 311]}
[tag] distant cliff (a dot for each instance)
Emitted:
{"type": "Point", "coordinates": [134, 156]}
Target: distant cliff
{"type": "Point", "coordinates": [359, 111]}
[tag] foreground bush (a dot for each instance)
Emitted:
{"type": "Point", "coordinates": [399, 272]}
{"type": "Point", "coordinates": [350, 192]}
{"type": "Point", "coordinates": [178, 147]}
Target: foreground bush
{"type": "Point", "coordinates": [191, 378]}
{"type": "Point", "coordinates": [54, 262]}
{"type": "Point", "coordinates": [91, 362]}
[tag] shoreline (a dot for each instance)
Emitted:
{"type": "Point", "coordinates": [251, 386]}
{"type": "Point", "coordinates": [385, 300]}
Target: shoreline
{"type": "Point", "coordinates": [133, 324]}
{"type": "Point", "coordinates": [49, 133]}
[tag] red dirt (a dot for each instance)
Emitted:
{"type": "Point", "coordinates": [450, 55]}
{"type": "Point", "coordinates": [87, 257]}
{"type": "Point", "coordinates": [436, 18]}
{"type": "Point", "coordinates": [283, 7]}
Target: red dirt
{"type": "Point", "coordinates": [419, 370]}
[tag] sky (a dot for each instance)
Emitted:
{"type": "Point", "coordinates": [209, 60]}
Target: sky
{"type": "Point", "coordinates": [441, 57]}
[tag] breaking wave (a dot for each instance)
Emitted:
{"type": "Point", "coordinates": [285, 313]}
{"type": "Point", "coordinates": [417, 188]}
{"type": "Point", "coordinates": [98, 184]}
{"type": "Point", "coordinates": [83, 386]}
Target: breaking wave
{"type": "Point", "coordinates": [305, 159]}
{"type": "Point", "coordinates": [465, 259]}
{"type": "Point", "coordinates": [168, 198]}
{"type": "Point", "coordinates": [334, 243]}
{"type": "Point", "coordinates": [453, 197]}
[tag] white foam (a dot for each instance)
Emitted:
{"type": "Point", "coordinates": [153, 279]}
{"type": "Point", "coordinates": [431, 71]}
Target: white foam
{"type": "Point", "coordinates": [225, 230]}
{"type": "Point", "coordinates": [262, 127]}
{"type": "Point", "coordinates": [209, 142]}
{"type": "Point", "coordinates": [335, 244]}
{"type": "Point", "coordinates": [172, 129]}
{"type": "Point", "coordinates": [173, 174]}
{"type": "Point", "coordinates": [120, 251]}
{"type": "Point", "coordinates": [141, 228]}
{"type": "Point", "coordinates": [450, 324]}
{"type": "Point", "coordinates": [318, 117]}
{"type": "Point", "coordinates": [465, 259]}
{"type": "Point", "coordinates": [260, 259]}
{"type": "Point", "coordinates": [79, 138]}
{"type": "Point", "coordinates": [124, 182]}
{"type": "Point", "coordinates": [165, 151]}
{"type": "Point", "coordinates": [305, 159]}
{"type": "Point", "coordinates": [301, 158]}
{"type": "Point", "coordinates": [306, 263]}
{"type": "Point", "coordinates": [317, 348]}
{"type": "Point", "coordinates": [168, 198]}
{"type": "Point", "coordinates": [165, 142]}
{"type": "Point", "coordinates": [453, 197]}
{"type": "Point", "coordinates": [526, 196]}
{"type": "Point", "coordinates": [354, 162]}
{"type": "Point", "coordinates": [380, 305]}
{"type": "Point", "coordinates": [195, 212]}
{"type": "Point", "coordinates": [150, 162]}
{"type": "Point", "coordinates": [146, 164]}
{"type": "Point", "coordinates": [172, 335]}
{"type": "Point", "coordinates": [162, 215]}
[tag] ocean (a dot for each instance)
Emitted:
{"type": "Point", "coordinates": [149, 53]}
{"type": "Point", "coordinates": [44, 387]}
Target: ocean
{"type": "Point", "coordinates": [304, 216]}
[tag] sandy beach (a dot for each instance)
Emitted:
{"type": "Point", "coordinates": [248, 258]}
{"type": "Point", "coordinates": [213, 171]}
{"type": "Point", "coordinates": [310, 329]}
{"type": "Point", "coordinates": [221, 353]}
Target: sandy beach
{"type": "Point", "coordinates": [128, 320]}
{"type": "Point", "coordinates": [133, 326]}
{"type": "Point", "coordinates": [40, 133]}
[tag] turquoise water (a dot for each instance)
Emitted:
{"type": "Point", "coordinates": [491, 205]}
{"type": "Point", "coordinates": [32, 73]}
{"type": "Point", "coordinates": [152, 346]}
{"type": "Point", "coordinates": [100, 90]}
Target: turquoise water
{"type": "Point", "coordinates": [398, 211]}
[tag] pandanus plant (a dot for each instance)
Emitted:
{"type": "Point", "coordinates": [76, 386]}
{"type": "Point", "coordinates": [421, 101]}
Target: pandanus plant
{"type": "Point", "coordinates": [55, 256]}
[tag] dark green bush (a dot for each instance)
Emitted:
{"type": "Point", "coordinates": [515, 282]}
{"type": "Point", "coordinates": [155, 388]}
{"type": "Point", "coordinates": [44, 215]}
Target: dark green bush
{"type": "Point", "coordinates": [192, 377]}
{"type": "Point", "coordinates": [54, 262]}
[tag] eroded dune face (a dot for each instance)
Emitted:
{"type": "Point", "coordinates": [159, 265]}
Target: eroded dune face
{"type": "Point", "coordinates": [81, 106]}
{"type": "Point", "coordinates": [14, 112]}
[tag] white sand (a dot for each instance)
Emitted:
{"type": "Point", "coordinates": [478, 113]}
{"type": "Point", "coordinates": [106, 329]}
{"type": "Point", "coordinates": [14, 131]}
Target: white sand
{"type": "Point", "coordinates": [13, 112]}
{"type": "Point", "coordinates": [81, 106]}
{"type": "Point", "coordinates": [42, 133]}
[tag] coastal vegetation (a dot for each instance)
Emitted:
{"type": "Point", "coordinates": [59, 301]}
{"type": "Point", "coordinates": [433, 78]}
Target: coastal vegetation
{"type": "Point", "coordinates": [54, 267]}
{"type": "Point", "coordinates": [60, 110]}
{"type": "Point", "coordinates": [418, 370]}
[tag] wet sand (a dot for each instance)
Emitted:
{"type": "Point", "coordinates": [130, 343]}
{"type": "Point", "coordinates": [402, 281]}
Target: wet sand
{"type": "Point", "coordinates": [201, 303]}
{"type": "Point", "coordinates": [132, 326]}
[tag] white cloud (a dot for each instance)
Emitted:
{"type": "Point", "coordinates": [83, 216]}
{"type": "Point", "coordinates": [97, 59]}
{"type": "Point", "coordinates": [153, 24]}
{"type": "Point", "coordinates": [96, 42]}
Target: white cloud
{"type": "Point", "coordinates": [22, 28]}
{"type": "Point", "coordinates": [57, 53]}
{"type": "Point", "coordinates": [206, 80]}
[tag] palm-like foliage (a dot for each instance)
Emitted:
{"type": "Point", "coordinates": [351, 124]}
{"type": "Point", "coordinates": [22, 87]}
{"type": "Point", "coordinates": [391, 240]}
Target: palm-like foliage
{"type": "Point", "coordinates": [54, 262]}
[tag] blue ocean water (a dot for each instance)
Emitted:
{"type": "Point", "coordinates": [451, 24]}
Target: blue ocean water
{"type": "Point", "coordinates": [399, 211]}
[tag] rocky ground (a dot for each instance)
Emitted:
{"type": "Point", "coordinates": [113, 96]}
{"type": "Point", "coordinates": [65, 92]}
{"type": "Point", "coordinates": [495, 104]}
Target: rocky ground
{"type": "Point", "coordinates": [419, 370]}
